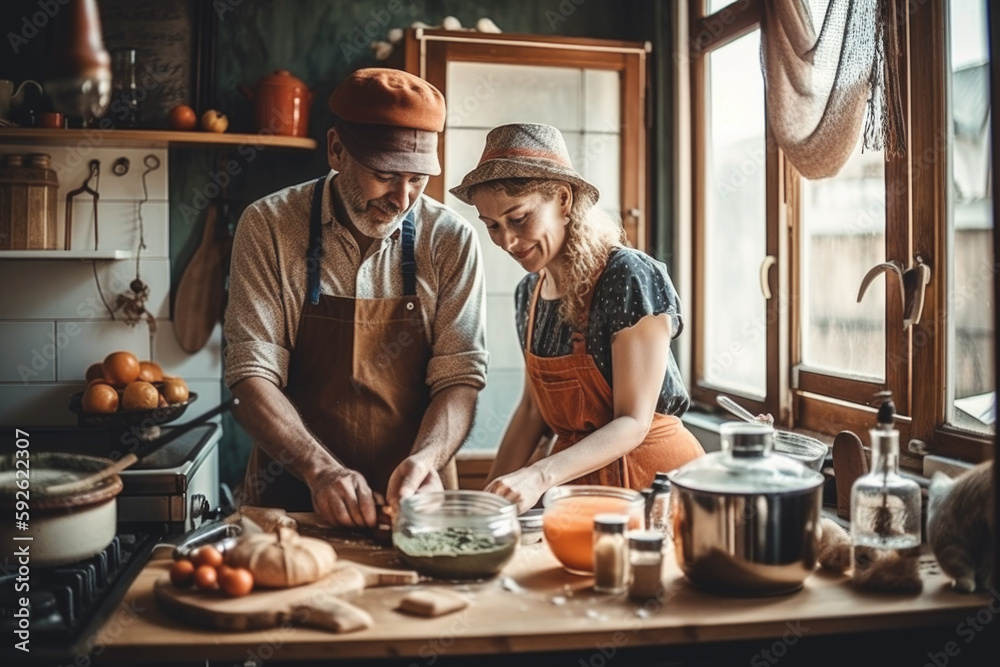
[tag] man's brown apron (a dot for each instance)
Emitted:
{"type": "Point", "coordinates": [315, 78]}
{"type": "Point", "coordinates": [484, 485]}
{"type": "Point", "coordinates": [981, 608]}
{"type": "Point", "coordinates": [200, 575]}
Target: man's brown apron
{"type": "Point", "coordinates": [575, 400]}
{"type": "Point", "coordinates": [357, 376]}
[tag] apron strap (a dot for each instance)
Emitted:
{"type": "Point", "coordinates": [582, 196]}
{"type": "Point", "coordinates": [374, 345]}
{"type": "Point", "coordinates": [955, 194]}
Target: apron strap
{"type": "Point", "coordinates": [315, 250]}
{"type": "Point", "coordinates": [579, 339]}
{"type": "Point", "coordinates": [531, 313]}
{"type": "Point", "coordinates": [409, 263]}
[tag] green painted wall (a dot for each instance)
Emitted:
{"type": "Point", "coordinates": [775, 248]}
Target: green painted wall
{"type": "Point", "coordinates": [315, 40]}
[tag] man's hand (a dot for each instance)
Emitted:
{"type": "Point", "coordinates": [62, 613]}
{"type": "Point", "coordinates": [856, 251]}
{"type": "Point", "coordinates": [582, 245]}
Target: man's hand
{"type": "Point", "coordinates": [343, 498]}
{"type": "Point", "coordinates": [412, 475]}
{"type": "Point", "coordinates": [522, 487]}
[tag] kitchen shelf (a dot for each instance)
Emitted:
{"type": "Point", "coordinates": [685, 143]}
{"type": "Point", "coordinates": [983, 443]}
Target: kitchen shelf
{"type": "Point", "coordinates": [149, 138]}
{"type": "Point", "coordinates": [67, 254]}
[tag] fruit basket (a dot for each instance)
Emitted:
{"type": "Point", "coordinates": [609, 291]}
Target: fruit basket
{"type": "Point", "coordinates": [126, 420]}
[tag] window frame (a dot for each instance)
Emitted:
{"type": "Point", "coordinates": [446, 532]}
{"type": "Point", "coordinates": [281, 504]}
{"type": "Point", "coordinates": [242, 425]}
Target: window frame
{"type": "Point", "coordinates": [427, 52]}
{"type": "Point", "coordinates": [916, 224]}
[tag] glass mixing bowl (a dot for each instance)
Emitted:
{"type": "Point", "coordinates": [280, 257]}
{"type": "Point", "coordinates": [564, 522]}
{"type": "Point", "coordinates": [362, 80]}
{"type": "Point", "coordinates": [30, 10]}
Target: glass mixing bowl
{"type": "Point", "coordinates": [456, 534]}
{"type": "Point", "coordinates": [568, 520]}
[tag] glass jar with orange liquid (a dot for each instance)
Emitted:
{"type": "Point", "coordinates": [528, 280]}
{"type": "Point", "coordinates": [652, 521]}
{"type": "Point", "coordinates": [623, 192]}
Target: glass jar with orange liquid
{"type": "Point", "coordinates": [568, 520]}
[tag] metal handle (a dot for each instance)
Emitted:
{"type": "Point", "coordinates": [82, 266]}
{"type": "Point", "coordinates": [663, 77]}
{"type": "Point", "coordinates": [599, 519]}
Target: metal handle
{"type": "Point", "coordinates": [912, 286]}
{"type": "Point", "coordinates": [765, 266]}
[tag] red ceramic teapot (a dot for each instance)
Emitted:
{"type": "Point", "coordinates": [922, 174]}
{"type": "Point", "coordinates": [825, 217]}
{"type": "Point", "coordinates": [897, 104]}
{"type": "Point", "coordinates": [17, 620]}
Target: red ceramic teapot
{"type": "Point", "coordinates": [281, 104]}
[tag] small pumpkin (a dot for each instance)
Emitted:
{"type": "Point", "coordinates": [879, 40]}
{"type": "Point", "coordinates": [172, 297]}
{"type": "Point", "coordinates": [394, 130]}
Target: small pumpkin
{"type": "Point", "coordinates": [283, 558]}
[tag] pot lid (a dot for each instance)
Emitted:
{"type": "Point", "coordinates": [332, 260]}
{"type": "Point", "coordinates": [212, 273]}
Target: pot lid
{"type": "Point", "coordinates": [281, 78]}
{"type": "Point", "coordinates": [52, 468]}
{"type": "Point", "coordinates": [746, 464]}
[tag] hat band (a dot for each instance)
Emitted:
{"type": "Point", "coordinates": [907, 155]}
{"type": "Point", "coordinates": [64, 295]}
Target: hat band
{"type": "Point", "coordinates": [371, 144]}
{"type": "Point", "coordinates": [501, 154]}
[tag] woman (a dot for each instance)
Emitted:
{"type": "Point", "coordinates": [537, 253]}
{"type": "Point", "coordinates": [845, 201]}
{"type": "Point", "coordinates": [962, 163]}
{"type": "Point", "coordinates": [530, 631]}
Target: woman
{"type": "Point", "coordinates": [595, 320]}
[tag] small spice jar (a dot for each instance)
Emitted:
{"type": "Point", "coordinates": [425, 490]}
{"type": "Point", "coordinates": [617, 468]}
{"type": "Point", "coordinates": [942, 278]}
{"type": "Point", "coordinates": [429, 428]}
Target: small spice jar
{"type": "Point", "coordinates": [659, 515]}
{"type": "Point", "coordinates": [610, 553]}
{"type": "Point", "coordinates": [645, 555]}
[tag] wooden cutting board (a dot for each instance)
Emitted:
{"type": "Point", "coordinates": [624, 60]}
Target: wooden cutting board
{"type": "Point", "coordinates": [317, 604]}
{"type": "Point", "coordinates": [200, 291]}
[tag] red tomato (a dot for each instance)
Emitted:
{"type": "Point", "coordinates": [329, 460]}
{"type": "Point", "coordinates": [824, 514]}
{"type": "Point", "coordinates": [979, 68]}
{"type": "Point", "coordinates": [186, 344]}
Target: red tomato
{"type": "Point", "coordinates": [205, 577]}
{"type": "Point", "coordinates": [182, 573]}
{"type": "Point", "coordinates": [235, 581]}
{"type": "Point", "coordinates": [208, 555]}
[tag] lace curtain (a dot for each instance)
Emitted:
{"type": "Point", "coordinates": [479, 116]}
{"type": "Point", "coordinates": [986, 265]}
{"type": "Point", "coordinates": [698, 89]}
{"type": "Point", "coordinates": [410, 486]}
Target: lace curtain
{"type": "Point", "coordinates": [830, 66]}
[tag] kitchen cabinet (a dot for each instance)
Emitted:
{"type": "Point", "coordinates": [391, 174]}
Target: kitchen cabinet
{"type": "Point", "coordinates": [535, 606]}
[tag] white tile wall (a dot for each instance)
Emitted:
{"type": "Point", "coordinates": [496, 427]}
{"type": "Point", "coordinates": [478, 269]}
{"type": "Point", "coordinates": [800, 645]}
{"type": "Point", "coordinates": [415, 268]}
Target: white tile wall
{"type": "Point", "coordinates": [202, 365]}
{"type": "Point", "coordinates": [64, 289]}
{"type": "Point", "coordinates": [28, 352]}
{"type": "Point", "coordinates": [92, 342]}
{"type": "Point", "coordinates": [53, 307]}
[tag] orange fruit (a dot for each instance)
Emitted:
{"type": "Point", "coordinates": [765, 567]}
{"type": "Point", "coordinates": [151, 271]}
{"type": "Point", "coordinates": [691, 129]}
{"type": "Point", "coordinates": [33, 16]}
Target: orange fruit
{"type": "Point", "coordinates": [175, 390]}
{"type": "Point", "coordinates": [140, 395]}
{"type": "Point", "coordinates": [120, 368]}
{"type": "Point", "coordinates": [182, 117]}
{"type": "Point", "coordinates": [100, 397]}
{"type": "Point", "coordinates": [95, 371]}
{"type": "Point", "coordinates": [150, 371]}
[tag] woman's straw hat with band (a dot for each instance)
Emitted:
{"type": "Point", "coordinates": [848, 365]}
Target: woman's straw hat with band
{"type": "Point", "coordinates": [525, 150]}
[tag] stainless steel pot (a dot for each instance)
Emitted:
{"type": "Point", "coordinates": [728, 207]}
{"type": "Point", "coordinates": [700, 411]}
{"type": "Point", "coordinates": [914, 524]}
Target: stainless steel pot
{"type": "Point", "coordinates": [746, 521]}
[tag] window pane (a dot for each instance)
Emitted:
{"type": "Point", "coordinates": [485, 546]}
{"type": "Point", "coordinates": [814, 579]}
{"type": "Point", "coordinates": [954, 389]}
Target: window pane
{"type": "Point", "coordinates": [843, 236]}
{"type": "Point", "coordinates": [735, 220]}
{"type": "Point", "coordinates": [971, 383]}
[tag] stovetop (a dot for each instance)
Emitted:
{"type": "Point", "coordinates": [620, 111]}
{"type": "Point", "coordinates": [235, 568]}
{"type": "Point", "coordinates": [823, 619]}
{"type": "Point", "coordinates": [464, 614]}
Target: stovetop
{"type": "Point", "coordinates": [70, 603]}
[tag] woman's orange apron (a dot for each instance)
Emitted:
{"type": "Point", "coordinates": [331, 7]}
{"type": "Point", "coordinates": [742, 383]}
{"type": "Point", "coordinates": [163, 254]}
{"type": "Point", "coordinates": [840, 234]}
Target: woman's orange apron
{"type": "Point", "coordinates": [575, 400]}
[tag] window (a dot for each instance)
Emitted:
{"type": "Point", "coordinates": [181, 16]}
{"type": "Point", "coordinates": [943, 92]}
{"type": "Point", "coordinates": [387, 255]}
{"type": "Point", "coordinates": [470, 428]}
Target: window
{"type": "Point", "coordinates": [779, 260]}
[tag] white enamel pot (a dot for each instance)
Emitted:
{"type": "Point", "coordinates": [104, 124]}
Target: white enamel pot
{"type": "Point", "coordinates": [64, 528]}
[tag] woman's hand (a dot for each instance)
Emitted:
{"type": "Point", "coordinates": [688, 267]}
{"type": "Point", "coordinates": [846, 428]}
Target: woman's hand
{"type": "Point", "coordinates": [522, 487]}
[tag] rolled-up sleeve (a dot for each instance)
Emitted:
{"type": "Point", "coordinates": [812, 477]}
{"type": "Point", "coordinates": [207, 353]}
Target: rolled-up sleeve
{"type": "Point", "coordinates": [257, 342]}
{"type": "Point", "coordinates": [459, 330]}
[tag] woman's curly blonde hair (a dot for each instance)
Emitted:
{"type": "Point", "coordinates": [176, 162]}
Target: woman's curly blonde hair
{"type": "Point", "coordinates": [591, 234]}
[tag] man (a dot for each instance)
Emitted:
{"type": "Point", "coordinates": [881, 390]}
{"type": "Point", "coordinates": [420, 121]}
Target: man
{"type": "Point", "coordinates": [355, 328]}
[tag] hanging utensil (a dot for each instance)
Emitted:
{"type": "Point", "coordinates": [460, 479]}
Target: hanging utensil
{"type": "Point", "coordinates": [95, 172]}
{"type": "Point", "coordinates": [141, 452]}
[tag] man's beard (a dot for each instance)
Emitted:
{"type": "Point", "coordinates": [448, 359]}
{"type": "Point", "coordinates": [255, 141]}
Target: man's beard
{"type": "Point", "coordinates": [377, 218]}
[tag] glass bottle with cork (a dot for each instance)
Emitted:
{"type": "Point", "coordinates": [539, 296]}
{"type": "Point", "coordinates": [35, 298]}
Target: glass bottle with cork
{"type": "Point", "coordinates": [885, 509]}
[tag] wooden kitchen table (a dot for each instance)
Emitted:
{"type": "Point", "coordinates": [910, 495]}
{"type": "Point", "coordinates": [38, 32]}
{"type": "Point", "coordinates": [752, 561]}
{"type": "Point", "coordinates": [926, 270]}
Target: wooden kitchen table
{"type": "Point", "coordinates": [536, 607]}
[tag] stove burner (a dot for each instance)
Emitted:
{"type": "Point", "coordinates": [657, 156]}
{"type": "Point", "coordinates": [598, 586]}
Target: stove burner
{"type": "Point", "coordinates": [69, 603]}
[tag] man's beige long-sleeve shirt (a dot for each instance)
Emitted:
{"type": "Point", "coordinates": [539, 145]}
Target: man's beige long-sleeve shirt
{"type": "Point", "coordinates": [267, 286]}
